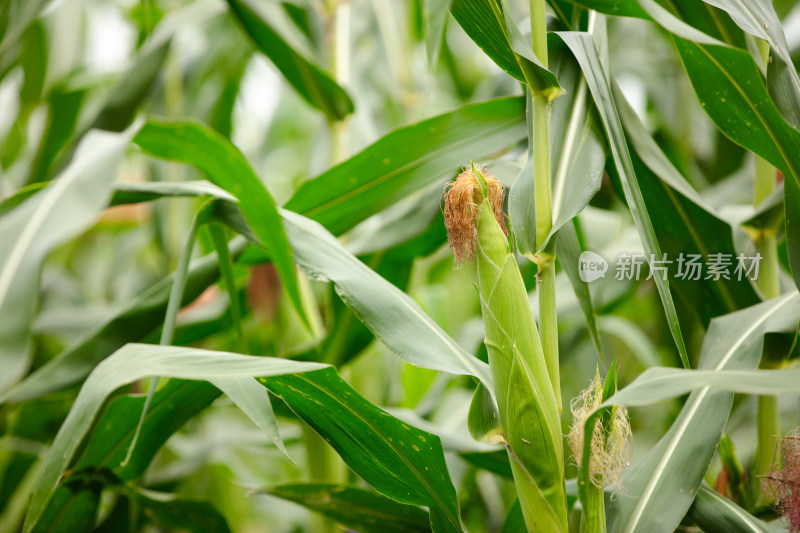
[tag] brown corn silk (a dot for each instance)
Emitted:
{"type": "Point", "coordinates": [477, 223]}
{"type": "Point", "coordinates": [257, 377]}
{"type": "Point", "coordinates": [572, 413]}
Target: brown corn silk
{"type": "Point", "coordinates": [462, 198]}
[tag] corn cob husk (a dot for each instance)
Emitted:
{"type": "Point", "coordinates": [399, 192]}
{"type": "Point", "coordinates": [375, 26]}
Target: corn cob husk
{"type": "Point", "coordinates": [525, 397]}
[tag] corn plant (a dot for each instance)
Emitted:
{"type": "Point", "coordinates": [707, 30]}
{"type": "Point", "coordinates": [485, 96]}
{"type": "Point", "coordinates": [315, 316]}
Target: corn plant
{"type": "Point", "coordinates": [435, 265]}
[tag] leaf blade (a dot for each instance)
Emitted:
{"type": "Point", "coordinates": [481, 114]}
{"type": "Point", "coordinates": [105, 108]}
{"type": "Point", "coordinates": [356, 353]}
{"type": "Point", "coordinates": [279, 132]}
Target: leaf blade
{"type": "Point", "coordinates": [195, 144]}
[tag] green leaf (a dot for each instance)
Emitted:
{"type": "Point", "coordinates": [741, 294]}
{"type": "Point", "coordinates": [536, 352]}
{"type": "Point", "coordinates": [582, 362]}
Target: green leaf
{"type": "Point", "coordinates": [664, 383]}
{"type": "Point", "coordinates": [17, 15]}
{"type": "Point", "coordinates": [714, 513]}
{"type": "Point", "coordinates": [406, 160]}
{"type": "Point", "coordinates": [399, 461]}
{"type": "Point", "coordinates": [251, 399]}
{"type": "Point", "coordinates": [131, 324]}
{"type": "Point", "coordinates": [129, 364]}
{"type": "Point", "coordinates": [131, 192]}
{"type": "Point", "coordinates": [582, 47]}
{"type": "Point", "coordinates": [495, 32]}
{"type": "Point", "coordinates": [398, 224]}
{"type": "Point", "coordinates": [355, 508]}
{"type": "Point", "coordinates": [568, 251]}
{"type": "Point", "coordinates": [39, 224]}
{"type": "Point", "coordinates": [496, 462]}
{"type": "Point", "coordinates": [617, 8]}
{"type": "Point", "coordinates": [173, 513]}
{"type": "Point", "coordinates": [132, 88]}
{"type": "Point", "coordinates": [314, 85]}
{"type": "Point", "coordinates": [197, 145]}
{"type": "Point", "coordinates": [758, 19]}
{"type": "Point", "coordinates": [577, 148]}
{"type": "Point", "coordinates": [669, 475]}
{"type": "Point", "coordinates": [109, 440]}
{"type": "Point", "coordinates": [434, 16]}
{"type": "Point", "coordinates": [393, 316]}
{"type": "Point", "coordinates": [64, 106]}
{"type": "Point", "coordinates": [514, 522]}
{"type": "Point", "coordinates": [74, 508]}
{"type": "Point", "coordinates": [686, 226]}
{"type": "Point", "coordinates": [792, 210]}
{"type": "Point", "coordinates": [102, 458]}
{"type": "Point", "coordinates": [727, 79]}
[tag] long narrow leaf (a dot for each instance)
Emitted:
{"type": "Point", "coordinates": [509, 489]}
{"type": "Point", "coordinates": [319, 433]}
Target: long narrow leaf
{"type": "Point", "coordinates": [314, 85]}
{"type": "Point", "coordinates": [360, 509]}
{"type": "Point", "coordinates": [39, 224]}
{"type": "Point", "coordinates": [666, 480]}
{"type": "Point", "coordinates": [200, 146]}
{"type": "Point", "coordinates": [582, 47]}
{"type": "Point", "coordinates": [398, 460]}
{"type": "Point", "coordinates": [715, 513]}
{"type": "Point", "coordinates": [406, 160]}
{"type": "Point", "coordinates": [128, 364]}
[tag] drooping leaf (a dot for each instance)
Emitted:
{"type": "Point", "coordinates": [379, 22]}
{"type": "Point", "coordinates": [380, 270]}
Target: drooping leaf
{"type": "Point", "coordinates": [759, 19]}
{"type": "Point", "coordinates": [314, 85]}
{"type": "Point", "coordinates": [686, 226]}
{"type": "Point", "coordinates": [391, 314]}
{"type": "Point", "coordinates": [198, 145]}
{"type": "Point", "coordinates": [129, 364]}
{"type": "Point", "coordinates": [398, 460]}
{"type": "Point", "coordinates": [725, 80]}
{"type": "Point", "coordinates": [355, 508]}
{"type": "Point", "coordinates": [489, 24]}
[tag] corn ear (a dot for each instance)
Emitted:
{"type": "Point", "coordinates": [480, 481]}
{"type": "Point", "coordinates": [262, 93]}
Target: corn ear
{"type": "Point", "coordinates": [525, 397]}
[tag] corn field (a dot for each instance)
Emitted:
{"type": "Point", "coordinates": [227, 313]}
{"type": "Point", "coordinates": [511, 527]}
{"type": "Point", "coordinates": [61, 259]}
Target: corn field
{"type": "Point", "coordinates": [399, 266]}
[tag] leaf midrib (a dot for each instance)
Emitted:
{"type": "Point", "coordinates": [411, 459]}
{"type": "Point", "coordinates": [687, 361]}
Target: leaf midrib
{"type": "Point", "coordinates": [404, 168]}
{"type": "Point", "coordinates": [420, 476]}
{"type": "Point", "coordinates": [649, 490]}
